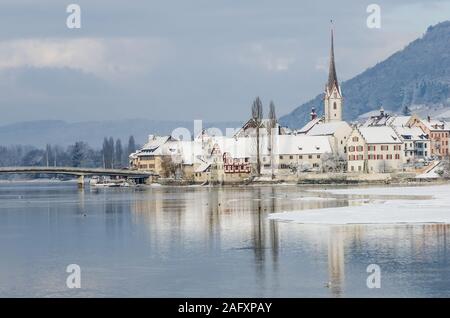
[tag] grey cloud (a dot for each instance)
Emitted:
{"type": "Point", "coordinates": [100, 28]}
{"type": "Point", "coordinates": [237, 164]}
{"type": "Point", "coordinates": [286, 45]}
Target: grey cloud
{"type": "Point", "coordinates": [215, 58]}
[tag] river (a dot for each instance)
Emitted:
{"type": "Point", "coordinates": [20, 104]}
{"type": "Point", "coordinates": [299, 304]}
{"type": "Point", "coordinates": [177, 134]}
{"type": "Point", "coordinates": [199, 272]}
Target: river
{"type": "Point", "coordinates": [206, 242]}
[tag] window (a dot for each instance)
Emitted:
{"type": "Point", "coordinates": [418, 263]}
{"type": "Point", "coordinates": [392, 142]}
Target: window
{"type": "Point", "coordinates": [281, 157]}
{"type": "Point", "coordinates": [351, 148]}
{"type": "Point", "coordinates": [360, 157]}
{"type": "Point", "coordinates": [310, 156]}
{"type": "Point", "coordinates": [318, 156]}
{"type": "Point", "coordinates": [334, 105]}
{"type": "Point", "coordinates": [360, 148]}
{"type": "Point", "coordinates": [300, 157]}
{"type": "Point", "coordinates": [379, 157]}
{"type": "Point", "coordinates": [355, 139]}
{"type": "Point", "coordinates": [384, 148]}
{"type": "Point", "coordinates": [371, 148]}
{"type": "Point", "coordinates": [397, 156]}
{"type": "Point", "coordinates": [388, 157]}
{"type": "Point", "coordinates": [291, 157]}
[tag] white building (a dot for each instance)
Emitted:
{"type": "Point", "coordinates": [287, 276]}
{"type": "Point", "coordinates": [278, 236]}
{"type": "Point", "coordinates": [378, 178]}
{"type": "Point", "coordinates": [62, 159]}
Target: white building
{"type": "Point", "coordinates": [374, 150]}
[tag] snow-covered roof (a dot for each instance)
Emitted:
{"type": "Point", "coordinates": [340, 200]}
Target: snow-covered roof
{"type": "Point", "coordinates": [308, 126]}
{"type": "Point", "coordinates": [381, 119]}
{"type": "Point", "coordinates": [153, 146]}
{"type": "Point", "coordinates": [411, 133]}
{"type": "Point", "coordinates": [398, 121]}
{"type": "Point", "coordinates": [250, 126]}
{"type": "Point", "coordinates": [434, 124]}
{"type": "Point", "coordinates": [299, 145]}
{"type": "Point", "coordinates": [379, 135]}
{"type": "Point", "coordinates": [203, 166]}
{"type": "Point", "coordinates": [327, 129]}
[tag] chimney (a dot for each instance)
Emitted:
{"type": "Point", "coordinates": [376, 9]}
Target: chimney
{"type": "Point", "coordinates": [313, 114]}
{"type": "Point", "coordinates": [429, 118]}
{"type": "Point", "coordinates": [381, 112]}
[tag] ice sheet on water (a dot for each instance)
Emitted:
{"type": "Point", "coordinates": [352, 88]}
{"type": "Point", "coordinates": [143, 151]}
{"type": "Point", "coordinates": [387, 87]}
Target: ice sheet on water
{"type": "Point", "coordinates": [391, 211]}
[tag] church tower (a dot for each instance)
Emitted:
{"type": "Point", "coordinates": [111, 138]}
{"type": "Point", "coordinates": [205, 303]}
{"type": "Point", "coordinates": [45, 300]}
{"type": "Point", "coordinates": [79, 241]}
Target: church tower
{"type": "Point", "coordinates": [333, 94]}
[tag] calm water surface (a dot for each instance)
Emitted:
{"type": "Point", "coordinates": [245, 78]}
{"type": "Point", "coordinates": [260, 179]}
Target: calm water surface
{"type": "Point", "coordinates": [205, 242]}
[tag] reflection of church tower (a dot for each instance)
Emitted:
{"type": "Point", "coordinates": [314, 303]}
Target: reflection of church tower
{"type": "Point", "coordinates": [336, 261]}
{"type": "Point", "coordinates": [333, 95]}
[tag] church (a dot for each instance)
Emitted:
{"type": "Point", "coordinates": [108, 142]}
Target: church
{"type": "Point", "coordinates": [331, 123]}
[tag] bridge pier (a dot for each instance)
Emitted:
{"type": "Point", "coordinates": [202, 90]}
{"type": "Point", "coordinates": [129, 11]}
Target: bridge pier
{"type": "Point", "coordinates": [80, 182]}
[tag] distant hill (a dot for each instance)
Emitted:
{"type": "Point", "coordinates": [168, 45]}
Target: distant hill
{"type": "Point", "coordinates": [56, 132]}
{"type": "Point", "coordinates": [417, 76]}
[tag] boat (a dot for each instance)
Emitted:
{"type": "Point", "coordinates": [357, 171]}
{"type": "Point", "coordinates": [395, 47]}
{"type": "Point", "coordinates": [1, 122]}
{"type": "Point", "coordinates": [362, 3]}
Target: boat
{"type": "Point", "coordinates": [106, 182]}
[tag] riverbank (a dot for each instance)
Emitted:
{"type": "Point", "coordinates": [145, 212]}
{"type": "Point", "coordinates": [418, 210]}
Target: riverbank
{"type": "Point", "coordinates": [321, 178]}
{"type": "Point", "coordinates": [329, 179]}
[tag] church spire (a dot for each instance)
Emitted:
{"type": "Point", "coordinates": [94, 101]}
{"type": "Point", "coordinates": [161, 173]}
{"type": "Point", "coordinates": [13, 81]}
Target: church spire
{"type": "Point", "coordinates": [333, 98]}
{"type": "Point", "coordinates": [332, 77]}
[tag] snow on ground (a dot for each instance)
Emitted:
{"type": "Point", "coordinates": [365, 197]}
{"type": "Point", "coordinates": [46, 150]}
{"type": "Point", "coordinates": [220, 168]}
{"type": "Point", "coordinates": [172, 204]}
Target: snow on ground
{"type": "Point", "coordinates": [428, 175]}
{"type": "Point", "coordinates": [435, 190]}
{"type": "Point", "coordinates": [436, 209]}
{"type": "Point", "coordinates": [312, 199]}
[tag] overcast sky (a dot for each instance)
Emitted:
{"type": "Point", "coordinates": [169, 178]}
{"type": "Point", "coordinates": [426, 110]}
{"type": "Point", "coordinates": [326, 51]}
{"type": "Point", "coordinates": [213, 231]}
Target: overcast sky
{"type": "Point", "coordinates": [188, 59]}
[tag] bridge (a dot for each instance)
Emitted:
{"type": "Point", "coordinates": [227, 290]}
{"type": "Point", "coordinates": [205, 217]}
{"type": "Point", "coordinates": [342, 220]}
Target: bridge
{"type": "Point", "coordinates": [79, 172]}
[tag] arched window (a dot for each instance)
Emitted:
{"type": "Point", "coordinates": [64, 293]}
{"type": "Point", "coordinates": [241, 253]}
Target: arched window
{"type": "Point", "coordinates": [334, 105]}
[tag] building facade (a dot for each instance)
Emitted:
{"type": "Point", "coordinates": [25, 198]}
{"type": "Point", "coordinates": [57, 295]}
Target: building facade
{"type": "Point", "coordinates": [374, 150]}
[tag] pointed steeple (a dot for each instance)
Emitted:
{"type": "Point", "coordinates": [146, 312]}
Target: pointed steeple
{"type": "Point", "coordinates": [333, 96]}
{"type": "Point", "coordinates": [332, 77]}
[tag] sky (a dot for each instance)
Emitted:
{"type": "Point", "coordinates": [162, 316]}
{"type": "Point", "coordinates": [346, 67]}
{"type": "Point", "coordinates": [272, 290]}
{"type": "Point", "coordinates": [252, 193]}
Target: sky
{"type": "Point", "coordinates": [189, 59]}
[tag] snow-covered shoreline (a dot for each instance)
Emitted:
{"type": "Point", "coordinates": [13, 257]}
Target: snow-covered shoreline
{"type": "Point", "coordinates": [428, 204]}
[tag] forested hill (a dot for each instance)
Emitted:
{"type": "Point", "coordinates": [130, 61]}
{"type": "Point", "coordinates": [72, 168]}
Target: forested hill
{"type": "Point", "coordinates": [417, 77]}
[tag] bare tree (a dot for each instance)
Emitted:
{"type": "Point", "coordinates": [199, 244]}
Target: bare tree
{"type": "Point", "coordinates": [270, 130]}
{"type": "Point", "coordinates": [257, 116]}
{"type": "Point", "coordinates": [168, 167]}
{"type": "Point", "coordinates": [333, 162]}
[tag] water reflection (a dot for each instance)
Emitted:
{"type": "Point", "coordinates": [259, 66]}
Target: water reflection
{"type": "Point", "coordinates": [336, 263]}
{"type": "Point", "coordinates": [212, 242]}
